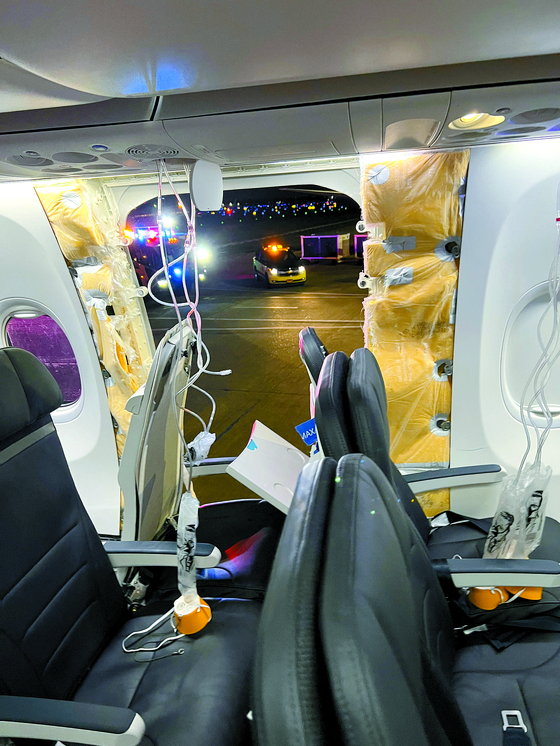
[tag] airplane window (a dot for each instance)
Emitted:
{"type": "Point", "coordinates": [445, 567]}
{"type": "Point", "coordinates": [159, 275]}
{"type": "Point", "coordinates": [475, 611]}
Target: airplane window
{"type": "Point", "coordinates": [44, 338]}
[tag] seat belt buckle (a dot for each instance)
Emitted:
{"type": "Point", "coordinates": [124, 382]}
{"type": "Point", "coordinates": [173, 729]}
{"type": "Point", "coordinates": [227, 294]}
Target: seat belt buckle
{"type": "Point", "coordinates": [513, 719]}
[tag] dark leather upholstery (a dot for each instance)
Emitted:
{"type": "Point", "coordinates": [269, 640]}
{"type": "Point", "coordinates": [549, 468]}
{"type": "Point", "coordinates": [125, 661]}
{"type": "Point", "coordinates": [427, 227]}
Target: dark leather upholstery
{"type": "Point", "coordinates": [312, 351]}
{"type": "Point", "coordinates": [28, 391]}
{"type": "Point", "coordinates": [385, 628]}
{"type": "Point", "coordinates": [524, 677]}
{"type": "Point", "coordinates": [340, 397]}
{"type": "Point", "coordinates": [331, 407]}
{"type": "Point", "coordinates": [62, 613]}
{"type": "Point", "coordinates": [201, 697]}
{"type": "Point", "coordinates": [59, 599]}
{"type": "Point", "coordinates": [369, 430]}
{"type": "Point", "coordinates": [291, 693]}
{"type": "Point", "coordinates": [388, 639]}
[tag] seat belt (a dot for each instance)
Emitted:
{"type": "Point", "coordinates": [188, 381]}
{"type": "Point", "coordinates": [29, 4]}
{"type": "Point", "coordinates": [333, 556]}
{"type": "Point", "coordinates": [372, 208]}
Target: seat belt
{"type": "Point", "coordinates": [515, 730]}
{"type": "Point", "coordinates": [507, 633]}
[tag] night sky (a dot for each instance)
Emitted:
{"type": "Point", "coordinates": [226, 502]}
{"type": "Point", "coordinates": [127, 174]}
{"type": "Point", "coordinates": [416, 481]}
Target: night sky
{"type": "Point", "coordinates": [252, 217]}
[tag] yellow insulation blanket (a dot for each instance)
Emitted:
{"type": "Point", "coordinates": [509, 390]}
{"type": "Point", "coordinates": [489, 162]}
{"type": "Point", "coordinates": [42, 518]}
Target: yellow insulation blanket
{"type": "Point", "coordinates": [84, 221]}
{"type": "Point", "coordinates": [70, 216]}
{"type": "Point", "coordinates": [409, 313]}
{"type": "Point", "coordinates": [419, 197]}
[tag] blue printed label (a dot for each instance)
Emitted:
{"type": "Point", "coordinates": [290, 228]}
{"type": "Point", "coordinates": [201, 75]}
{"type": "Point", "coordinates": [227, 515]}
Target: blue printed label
{"type": "Point", "coordinates": [307, 432]}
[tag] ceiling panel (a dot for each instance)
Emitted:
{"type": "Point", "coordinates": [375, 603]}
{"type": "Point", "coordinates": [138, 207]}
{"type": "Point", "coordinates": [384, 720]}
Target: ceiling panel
{"type": "Point", "coordinates": [270, 135]}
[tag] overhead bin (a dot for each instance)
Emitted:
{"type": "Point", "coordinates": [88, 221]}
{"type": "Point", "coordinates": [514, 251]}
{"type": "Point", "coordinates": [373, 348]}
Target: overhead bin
{"type": "Point", "coordinates": [110, 111]}
{"type": "Point", "coordinates": [265, 136]}
{"type": "Point", "coordinates": [21, 90]}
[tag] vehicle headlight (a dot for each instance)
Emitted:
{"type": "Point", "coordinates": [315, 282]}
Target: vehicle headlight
{"type": "Point", "coordinates": [301, 269]}
{"type": "Point", "coordinates": [201, 276]}
{"type": "Point", "coordinates": [202, 254]}
{"type": "Point", "coordinates": [162, 283]}
{"type": "Point", "coordinates": [273, 271]}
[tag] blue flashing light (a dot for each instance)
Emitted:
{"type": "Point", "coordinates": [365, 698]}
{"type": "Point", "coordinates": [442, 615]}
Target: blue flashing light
{"type": "Point", "coordinates": [177, 271]}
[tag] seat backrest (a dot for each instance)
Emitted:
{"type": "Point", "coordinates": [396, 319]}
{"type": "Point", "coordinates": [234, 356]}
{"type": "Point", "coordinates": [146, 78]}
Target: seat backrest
{"type": "Point", "coordinates": [291, 703]}
{"type": "Point", "coordinates": [332, 416]}
{"type": "Point", "coordinates": [386, 631]}
{"type": "Point", "coordinates": [369, 428]}
{"type": "Point", "coordinates": [312, 352]}
{"type": "Point", "coordinates": [59, 598]}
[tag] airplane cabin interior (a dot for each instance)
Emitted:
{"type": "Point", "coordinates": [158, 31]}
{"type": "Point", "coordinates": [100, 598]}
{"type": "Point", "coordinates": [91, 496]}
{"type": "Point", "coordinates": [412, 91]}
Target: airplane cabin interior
{"type": "Point", "coordinates": [392, 580]}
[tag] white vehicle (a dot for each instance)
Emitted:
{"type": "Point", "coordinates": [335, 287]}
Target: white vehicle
{"type": "Point", "coordinates": [443, 123]}
{"type": "Point", "coordinates": [278, 265]}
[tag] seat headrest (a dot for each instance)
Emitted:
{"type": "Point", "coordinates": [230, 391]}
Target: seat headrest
{"type": "Point", "coordinates": [331, 407]}
{"type": "Point", "coordinates": [312, 351]}
{"type": "Point", "coordinates": [27, 391]}
{"type": "Point", "coordinates": [367, 403]}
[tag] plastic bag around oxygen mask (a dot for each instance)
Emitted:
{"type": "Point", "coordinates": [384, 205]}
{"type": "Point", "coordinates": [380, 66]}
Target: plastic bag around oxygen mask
{"type": "Point", "coordinates": [515, 532]}
{"type": "Point", "coordinates": [518, 524]}
{"type": "Point", "coordinates": [191, 613]}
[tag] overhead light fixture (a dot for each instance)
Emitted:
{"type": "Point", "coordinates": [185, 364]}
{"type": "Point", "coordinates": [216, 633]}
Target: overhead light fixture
{"type": "Point", "coordinates": [475, 120]}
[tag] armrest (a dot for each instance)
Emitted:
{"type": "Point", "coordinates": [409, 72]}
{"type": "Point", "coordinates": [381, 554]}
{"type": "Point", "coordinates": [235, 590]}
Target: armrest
{"type": "Point", "coordinates": [459, 476]}
{"type": "Point", "coordinates": [212, 466]}
{"type": "Point", "coordinates": [157, 554]}
{"type": "Point", "coordinates": [73, 722]}
{"type": "Point", "coordinates": [486, 573]}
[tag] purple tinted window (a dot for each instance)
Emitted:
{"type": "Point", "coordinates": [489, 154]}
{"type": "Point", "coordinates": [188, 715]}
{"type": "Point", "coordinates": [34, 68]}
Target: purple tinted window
{"type": "Point", "coordinates": [43, 337]}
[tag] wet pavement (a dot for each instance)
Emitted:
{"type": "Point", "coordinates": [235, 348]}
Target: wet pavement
{"type": "Point", "coordinates": [254, 331]}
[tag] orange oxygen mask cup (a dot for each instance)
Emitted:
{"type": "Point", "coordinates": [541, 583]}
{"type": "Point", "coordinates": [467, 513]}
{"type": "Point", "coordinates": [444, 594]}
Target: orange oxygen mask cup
{"type": "Point", "coordinates": [191, 617]}
{"type": "Point", "coordinates": [489, 599]}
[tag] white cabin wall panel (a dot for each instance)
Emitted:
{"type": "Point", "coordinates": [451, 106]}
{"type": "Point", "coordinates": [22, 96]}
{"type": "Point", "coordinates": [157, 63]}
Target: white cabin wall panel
{"type": "Point", "coordinates": [509, 240]}
{"type": "Point", "coordinates": [34, 270]}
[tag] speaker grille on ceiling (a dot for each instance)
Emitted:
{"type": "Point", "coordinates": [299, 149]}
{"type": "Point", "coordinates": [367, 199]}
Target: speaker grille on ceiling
{"type": "Point", "coordinates": [152, 151]}
{"type": "Point", "coordinates": [534, 116]}
{"type": "Point", "coordinates": [29, 161]}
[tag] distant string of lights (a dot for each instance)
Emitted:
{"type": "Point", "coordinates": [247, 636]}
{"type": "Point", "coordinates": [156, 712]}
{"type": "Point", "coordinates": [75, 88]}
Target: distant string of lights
{"type": "Point", "coordinates": [276, 209]}
{"type": "Point", "coordinates": [238, 211]}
